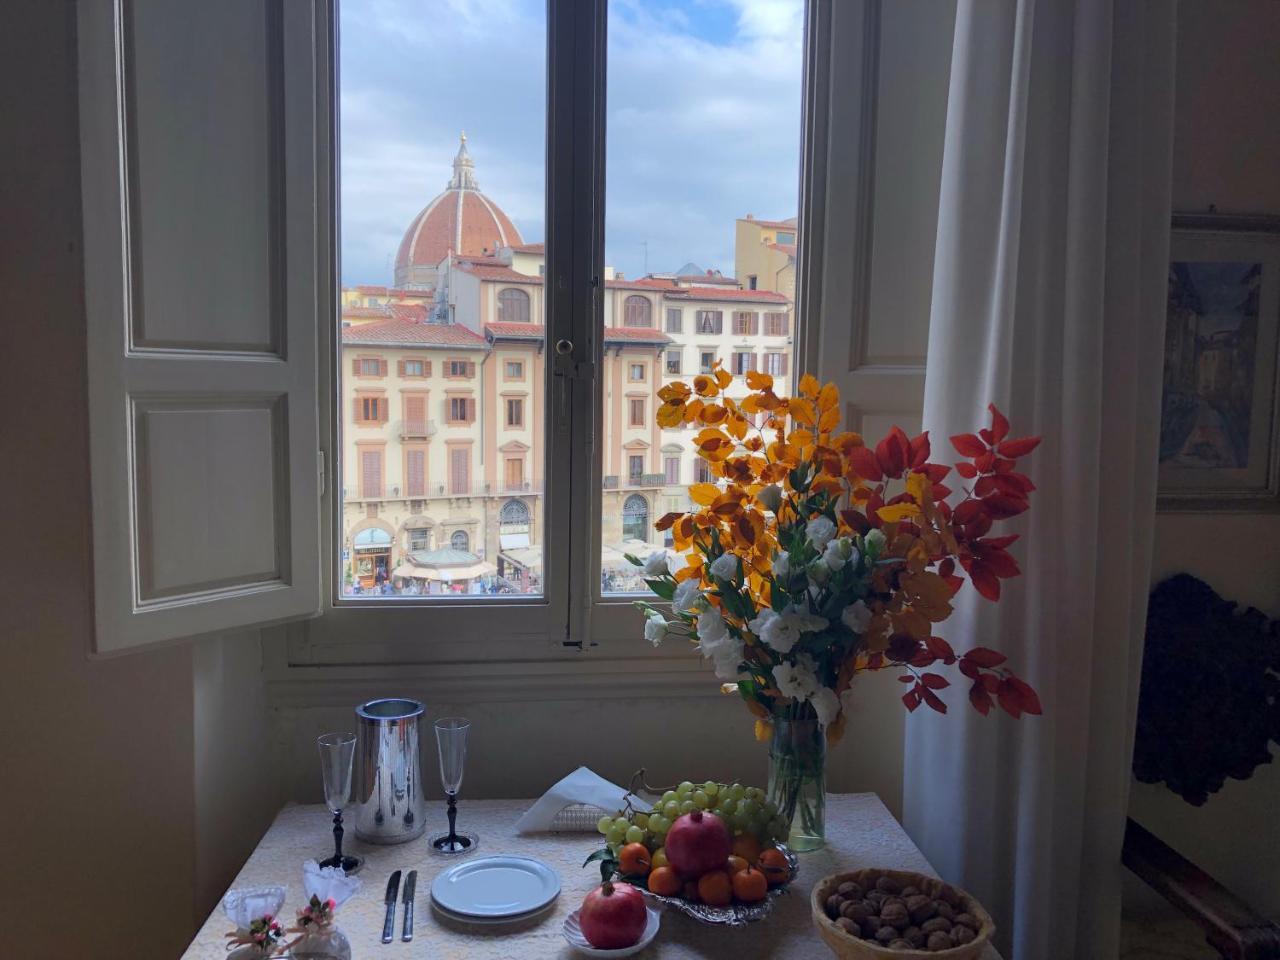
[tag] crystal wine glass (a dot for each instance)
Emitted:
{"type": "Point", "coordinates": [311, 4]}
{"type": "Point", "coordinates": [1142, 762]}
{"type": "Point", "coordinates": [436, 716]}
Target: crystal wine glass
{"type": "Point", "coordinates": [451, 737]}
{"type": "Point", "coordinates": [337, 753]}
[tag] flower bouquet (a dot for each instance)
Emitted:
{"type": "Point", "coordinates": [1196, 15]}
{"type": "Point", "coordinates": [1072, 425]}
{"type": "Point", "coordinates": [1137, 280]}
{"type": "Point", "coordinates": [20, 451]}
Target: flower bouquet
{"type": "Point", "coordinates": [816, 557]}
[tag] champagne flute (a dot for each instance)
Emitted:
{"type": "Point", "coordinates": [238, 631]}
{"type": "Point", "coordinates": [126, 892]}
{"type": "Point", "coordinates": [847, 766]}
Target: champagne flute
{"type": "Point", "coordinates": [451, 738]}
{"type": "Point", "coordinates": [337, 754]}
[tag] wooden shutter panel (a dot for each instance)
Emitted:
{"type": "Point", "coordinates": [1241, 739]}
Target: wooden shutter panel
{"type": "Point", "coordinates": [205, 500]}
{"type": "Point", "coordinates": [782, 360]}
{"type": "Point", "coordinates": [382, 367]}
{"type": "Point", "coordinates": [426, 368]}
{"type": "Point", "coordinates": [755, 324]}
{"type": "Point", "coordinates": [355, 366]}
{"type": "Point", "coordinates": [471, 411]}
{"type": "Point", "coordinates": [415, 473]}
{"type": "Point", "coordinates": [383, 409]}
{"type": "Point", "coordinates": [415, 409]}
{"type": "Point", "coordinates": [471, 369]}
{"type": "Point", "coordinates": [400, 368]}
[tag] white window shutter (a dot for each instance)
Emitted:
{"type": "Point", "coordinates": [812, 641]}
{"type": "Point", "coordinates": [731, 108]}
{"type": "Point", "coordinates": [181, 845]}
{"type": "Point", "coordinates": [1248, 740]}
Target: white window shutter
{"type": "Point", "coordinates": [200, 128]}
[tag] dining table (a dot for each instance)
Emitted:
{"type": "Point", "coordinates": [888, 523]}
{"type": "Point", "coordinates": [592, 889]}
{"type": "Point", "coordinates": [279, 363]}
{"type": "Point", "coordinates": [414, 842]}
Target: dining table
{"type": "Point", "coordinates": [860, 832]}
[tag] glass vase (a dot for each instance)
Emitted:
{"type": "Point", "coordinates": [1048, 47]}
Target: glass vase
{"type": "Point", "coordinates": [325, 943]}
{"type": "Point", "coordinates": [797, 780]}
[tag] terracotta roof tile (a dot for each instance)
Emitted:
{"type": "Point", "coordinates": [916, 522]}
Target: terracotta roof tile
{"type": "Point", "coordinates": [436, 231]}
{"type": "Point", "coordinates": [788, 248]}
{"type": "Point", "coordinates": [364, 313]}
{"type": "Point", "coordinates": [634, 335]}
{"type": "Point", "coordinates": [410, 333]}
{"type": "Point", "coordinates": [771, 224]}
{"type": "Point", "coordinates": [517, 331]}
{"type": "Point", "coordinates": [496, 271]}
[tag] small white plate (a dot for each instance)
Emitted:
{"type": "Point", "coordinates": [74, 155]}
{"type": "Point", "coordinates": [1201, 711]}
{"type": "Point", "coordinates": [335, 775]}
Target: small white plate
{"type": "Point", "coordinates": [495, 887]}
{"type": "Point", "coordinates": [573, 933]}
{"type": "Point", "coordinates": [491, 921]}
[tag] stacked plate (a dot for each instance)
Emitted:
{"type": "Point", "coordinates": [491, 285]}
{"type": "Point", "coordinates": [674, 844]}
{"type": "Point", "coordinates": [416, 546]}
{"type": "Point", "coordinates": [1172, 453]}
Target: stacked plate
{"type": "Point", "coordinates": [495, 890]}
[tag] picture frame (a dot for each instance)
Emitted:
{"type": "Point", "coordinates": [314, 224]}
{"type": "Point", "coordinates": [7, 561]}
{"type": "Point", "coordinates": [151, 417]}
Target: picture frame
{"type": "Point", "coordinates": [1220, 396]}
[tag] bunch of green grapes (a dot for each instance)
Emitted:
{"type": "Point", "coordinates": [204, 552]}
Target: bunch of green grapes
{"type": "Point", "coordinates": [743, 809]}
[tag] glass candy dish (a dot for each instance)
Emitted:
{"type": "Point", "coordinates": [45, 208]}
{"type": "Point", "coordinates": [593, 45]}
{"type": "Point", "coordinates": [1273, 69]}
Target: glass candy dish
{"type": "Point", "coordinates": [736, 914]}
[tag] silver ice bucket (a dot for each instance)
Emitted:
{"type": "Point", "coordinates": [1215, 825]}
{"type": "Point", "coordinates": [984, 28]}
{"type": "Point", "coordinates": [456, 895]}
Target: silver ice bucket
{"type": "Point", "coordinates": [388, 776]}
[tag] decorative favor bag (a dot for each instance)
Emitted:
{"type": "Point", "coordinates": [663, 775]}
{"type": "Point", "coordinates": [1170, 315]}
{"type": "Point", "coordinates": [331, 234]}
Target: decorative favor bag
{"type": "Point", "coordinates": [254, 910]}
{"type": "Point", "coordinates": [319, 938]}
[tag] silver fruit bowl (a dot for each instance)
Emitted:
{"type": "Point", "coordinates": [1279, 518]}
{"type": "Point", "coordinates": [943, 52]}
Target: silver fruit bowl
{"type": "Point", "coordinates": [736, 914]}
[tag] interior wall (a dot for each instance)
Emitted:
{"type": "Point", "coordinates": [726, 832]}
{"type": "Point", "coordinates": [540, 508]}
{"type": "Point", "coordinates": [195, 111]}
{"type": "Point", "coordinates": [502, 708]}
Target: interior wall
{"type": "Point", "coordinates": [125, 776]}
{"type": "Point", "coordinates": [1226, 153]}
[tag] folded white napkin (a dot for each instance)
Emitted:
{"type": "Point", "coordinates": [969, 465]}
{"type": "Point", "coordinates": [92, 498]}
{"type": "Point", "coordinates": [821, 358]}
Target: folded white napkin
{"type": "Point", "coordinates": [581, 786]}
{"type": "Point", "coordinates": [328, 883]}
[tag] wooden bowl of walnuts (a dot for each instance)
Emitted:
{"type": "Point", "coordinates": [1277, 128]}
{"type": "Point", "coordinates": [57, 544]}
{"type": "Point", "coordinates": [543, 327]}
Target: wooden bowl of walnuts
{"type": "Point", "coordinates": [871, 914]}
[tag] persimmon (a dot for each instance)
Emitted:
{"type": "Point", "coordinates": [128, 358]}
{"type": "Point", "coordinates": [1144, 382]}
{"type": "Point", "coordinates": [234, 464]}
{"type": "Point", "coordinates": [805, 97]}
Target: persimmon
{"type": "Point", "coordinates": [735, 864]}
{"type": "Point", "coordinates": [633, 860]}
{"type": "Point", "coordinates": [715, 889]}
{"type": "Point", "coordinates": [774, 866]}
{"type": "Point", "coordinates": [750, 885]}
{"type": "Point", "coordinates": [746, 846]}
{"type": "Point", "coordinates": [664, 881]}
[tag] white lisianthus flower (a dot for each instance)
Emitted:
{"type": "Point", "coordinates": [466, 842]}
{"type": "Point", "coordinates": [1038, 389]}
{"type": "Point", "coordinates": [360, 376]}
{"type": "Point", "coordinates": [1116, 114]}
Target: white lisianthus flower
{"type": "Point", "coordinates": [727, 657]}
{"type": "Point", "coordinates": [819, 532]}
{"type": "Point", "coordinates": [795, 680]}
{"type": "Point", "coordinates": [688, 597]}
{"type": "Point", "coordinates": [818, 571]}
{"type": "Point", "coordinates": [766, 616]}
{"type": "Point", "coordinates": [656, 564]}
{"type": "Point", "coordinates": [838, 553]}
{"type": "Point", "coordinates": [874, 540]}
{"type": "Point", "coordinates": [782, 631]}
{"type": "Point", "coordinates": [711, 629]}
{"type": "Point", "coordinates": [805, 621]}
{"type": "Point", "coordinates": [717, 644]}
{"type": "Point", "coordinates": [725, 566]}
{"type": "Point", "coordinates": [826, 705]}
{"type": "Point", "coordinates": [770, 497]}
{"type": "Point", "coordinates": [856, 616]}
{"type": "Point", "coordinates": [655, 628]}
{"type": "Point", "coordinates": [782, 565]}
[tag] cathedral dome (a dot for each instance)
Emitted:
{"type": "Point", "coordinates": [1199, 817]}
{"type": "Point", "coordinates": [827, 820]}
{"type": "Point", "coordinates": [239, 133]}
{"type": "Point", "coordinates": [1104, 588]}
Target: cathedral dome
{"type": "Point", "coordinates": [462, 220]}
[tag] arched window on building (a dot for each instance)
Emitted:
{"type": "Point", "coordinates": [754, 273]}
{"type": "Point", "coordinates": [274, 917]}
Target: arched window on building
{"type": "Point", "coordinates": [514, 513]}
{"type": "Point", "coordinates": [635, 518]}
{"type": "Point", "coordinates": [460, 540]}
{"type": "Point", "coordinates": [513, 306]}
{"type": "Point", "coordinates": [637, 311]}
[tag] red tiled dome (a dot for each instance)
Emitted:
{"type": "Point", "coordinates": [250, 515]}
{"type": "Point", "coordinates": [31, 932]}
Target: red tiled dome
{"type": "Point", "coordinates": [462, 220]}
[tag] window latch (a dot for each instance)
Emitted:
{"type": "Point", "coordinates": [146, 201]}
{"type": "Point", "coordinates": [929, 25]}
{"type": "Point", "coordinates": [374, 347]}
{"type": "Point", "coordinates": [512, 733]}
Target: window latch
{"type": "Point", "coordinates": [566, 366]}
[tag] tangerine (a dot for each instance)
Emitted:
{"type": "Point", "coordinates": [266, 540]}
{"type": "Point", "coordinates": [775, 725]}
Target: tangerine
{"type": "Point", "coordinates": [774, 866]}
{"type": "Point", "coordinates": [747, 847]}
{"type": "Point", "coordinates": [715, 889]}
{"type": "Point", "coordinates": [664, 881]}
{"type": "Point", "coordinates": [633, 860]}
{"type": "Point", "coordinates": [734, 864]}
{"type": "Point", "coordinates": [750, 885]}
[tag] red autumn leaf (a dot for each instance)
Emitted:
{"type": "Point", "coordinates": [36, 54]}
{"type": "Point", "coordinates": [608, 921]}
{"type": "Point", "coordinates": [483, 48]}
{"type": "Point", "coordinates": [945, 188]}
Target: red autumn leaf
{"type": "Point", "coordinates": [966, 469]}
{"type": "Point", "coordinates": [985, 435]}
{"type": "Point", "coordinates": [1010, 701]}
{"type": "Point", "coordinates": [1000, 564]}
{"type": "Point", "coordinates": [856, 520]}
{"type": "Point", "coordinates": [1000, 543]}
{"type": "Point", "coordinates": [1004, 466]}
{"type": "Point", "coordinates": [1001, 506]}
{"type": "Point", "coordinates": [967, 445]}
{"type": "Point", "coordinates": [1020, 481]}
{"type": "Point", "coordinates": [892, 453]}
{"type": "Point", "coordinates": [999, 423]}
{"type": "Point", "coordinates": [1027, 697]}
{"type": "Point", "coordinates": [941, 649]}
{"type": "Point", "coordinates": [985, 486]}
{"type": "Point", "coordinates": [864, 463]}
{"type": "Point", "coordinates": [984, 462]}
{"type": "Point", "coordinates": [934, 471]}
{"type": "Point", "coordinates": [919, 451]}
{"type": "Point", "coordinates": [933, 700]}
{"type": "Point", "coordinates": [941, 491]}
{"type": "Point", "coordinates": [923, 657]}
{"type": "Point", "coordinates": [980, 699]}
{"type": "Point", "coordinates": [990, 681]}
{"type": "Point", "coordinates": [912, 699]}
{"type": "Point", "coordinates": [906, 678]}
{"type": "Point", "coordinates": [970, 670]}
{"type": "Point", "coordinates": [967, 512]}
{"type": "Point", "coordinates": [984, 581]}
{"type": "Point", "coordinates": [1018, 448]}
{"type": "Point", "coordinates": [985, 657]}
{"type": "Point", "coordinates": [902, 647]}
{"type": "Point", "coordinates": [934, 681]}
{"type": "Point", "coordinates": [979, 527]}
{"type": "Point", "coordinates": [953, 582]}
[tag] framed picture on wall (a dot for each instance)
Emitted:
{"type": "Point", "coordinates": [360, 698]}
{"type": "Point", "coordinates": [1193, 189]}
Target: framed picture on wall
{"type": "Point", "coordinates": [1220, 409]}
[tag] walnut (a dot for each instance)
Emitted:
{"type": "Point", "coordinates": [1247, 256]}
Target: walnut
{"type": "Point", "coordinates": [967, 920]}
{"type": "Point", "coordinates": [938, 941]}
{"type": "Point", "coordinates": [877, 897]}
{"type": "Point", "coordinates": [850, 890]}
{"type": "Point", "coordinates": [855, 910]}
{"type": "Point", "coordinates": [892, 898]}
{"type": "Point", "coordinates": [888, 885]}
{"type": "Point", "coordinates": [921, 908]}
{"type": "Point", "coordinates": [915, 936]}
{"type": "Point", "coordinates": [910, 891]}
{"type": "Point", "coordinates": [936, 925]}
{"type": "Point", "coordinates": [870, 925]}
{"type": "Point", "coordinates": [834, 903]}
{"type": "Point", "coordinates": [895, 915]}
{"type": "Point", "coordinates": [886, 935]}
{"type": "Point", "coordinates": [849, 927]}
{"type": "Point", "coordinates": [962, 934]}
{"type": "Point", "coordinates": [899, 944]}
{"type": "Point", "coordinates": [948, 893]}
{"type": "Point", "coordinates": [945, 909]}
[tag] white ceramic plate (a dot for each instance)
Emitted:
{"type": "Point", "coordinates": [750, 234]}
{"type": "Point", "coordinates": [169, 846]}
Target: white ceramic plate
{"type": "Point", "coordinates": [491, 921]}
{"type": "Point", "coordinates": [495, 887]}
{"type": "Point", "coordinates": [573, 933]}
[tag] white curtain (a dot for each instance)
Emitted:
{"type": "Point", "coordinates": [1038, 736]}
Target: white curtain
{"type": "Point", "coordinates": [1048, 299]}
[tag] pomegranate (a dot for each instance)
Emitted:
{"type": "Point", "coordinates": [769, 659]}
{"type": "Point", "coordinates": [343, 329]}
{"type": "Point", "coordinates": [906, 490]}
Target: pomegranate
{"type": "Point", "coordinates": [698, 843]}
{"type": "Point", "coordinates": [613, 916]}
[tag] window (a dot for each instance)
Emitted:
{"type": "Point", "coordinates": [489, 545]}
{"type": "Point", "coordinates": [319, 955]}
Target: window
{"type": "Point", "coordinates": [671, 470]}
{"type": "Point", "coordinates": [514, 517]}
{"type": "Point", "coordinates": [742, 362]}
{"type": "Point", "coordinates": [706, 361]}
{"type": "Point", "coordinates": [461, 410]}
{"type": "Point", "coordinates": [710, 321]}
{"type": "Point", "coordinates": [673, 361]}
{"type": "Point", "coordinates": [514, 473]}
{"type": "Point", "coordinates": [751, 282]}
{"type": "Point", "coordinates": [515, 412]}
{"type": "Point", "coordinates": [370, 367]}
{"type": "Point", "coordinates": [419, 539]}
{"type": "Point", "coordinates": [460, 369]}
{"type": "Point", "coordinates": [675, 320]}
{"type": "Point", "coordinates": [513, 306]}
{"type": "Point", "coordinates": [745, 323]}
{"type": "Point", "coordinates": [415, 416]}
{"type": "Point", "coordinates": [415, 368]}
{"type": "Point", "coordinates": [775, 324]}
{"type": "Point", "coordinates": [702, 471]}
{"type": "Point", "coordinates": [371, 409]}
{"type": "Point", "coordinates": [459, 470]}
{"type": "Point", "coordinates": [635, 468]}
{"type": "Point", "coordinates": [636, 374]}
{"type": "Point", "coordinates": [415, 473]}
{"type": "Point", "coordinates": [636, 418]}
{"type": "Point", "coordinates": [371, 473]}
{"type": "Point", "coordinates": [514, 370]}
{"type": "Point", "coordinates": [637, 312]}
{"type": "Point", "coordinates": [460, 541]}
{"type": "Point", "coordinates": [785, 238]}
{"type": "Point", "coordinates": [775, 364]}
{"type": "Point", "coordinates": [635, 518]}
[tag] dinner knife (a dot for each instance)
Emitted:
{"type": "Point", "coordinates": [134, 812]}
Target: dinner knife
{"type": "Point", "coordinates": [410, 882]}
{"type": "Point", "coordinates": [389, 924]}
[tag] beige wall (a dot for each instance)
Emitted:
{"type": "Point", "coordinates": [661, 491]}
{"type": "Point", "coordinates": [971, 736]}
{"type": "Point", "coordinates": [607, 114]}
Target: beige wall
{"type": "Point", "coordinates": [1226, 152]}
{"type": "Point", "coordinates": [119, 792]}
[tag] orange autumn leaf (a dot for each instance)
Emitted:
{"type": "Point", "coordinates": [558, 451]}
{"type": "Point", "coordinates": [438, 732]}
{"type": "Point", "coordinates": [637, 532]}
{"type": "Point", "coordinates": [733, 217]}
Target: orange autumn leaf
{"type": "Point", "coordinates": [898, 511]}
{"type": "Point", "coordinates": [808, 386]}
{"type": "Point", "coordinates": [704, 494]}
{"type": "Point", "coordinates": [757, 380]}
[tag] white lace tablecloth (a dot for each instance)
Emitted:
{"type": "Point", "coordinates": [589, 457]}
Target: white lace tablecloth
{"type": "Point", "coordinates": [860, 833]}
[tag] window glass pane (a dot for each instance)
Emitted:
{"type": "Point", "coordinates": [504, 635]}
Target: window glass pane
{"type": "Point", "coordinates": [699, 243]}
{"type": "Point", "coordinates": [442, 365]}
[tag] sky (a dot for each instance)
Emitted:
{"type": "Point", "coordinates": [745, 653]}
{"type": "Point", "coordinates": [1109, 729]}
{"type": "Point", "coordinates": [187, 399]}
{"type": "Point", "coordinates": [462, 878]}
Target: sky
{"type": "Point", "coordinates": [703, 121]}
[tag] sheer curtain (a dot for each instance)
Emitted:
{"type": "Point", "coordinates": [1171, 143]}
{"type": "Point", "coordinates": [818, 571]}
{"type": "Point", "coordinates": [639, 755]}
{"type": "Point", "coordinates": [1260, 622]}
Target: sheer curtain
{"type": "Point", "coordinates": [1048, 299]}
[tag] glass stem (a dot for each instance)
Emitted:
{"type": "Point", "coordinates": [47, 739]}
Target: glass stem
{"type": "Point", "coordinates": [453, 819]}
{"type": "Point", "coordinates": [337, 837]}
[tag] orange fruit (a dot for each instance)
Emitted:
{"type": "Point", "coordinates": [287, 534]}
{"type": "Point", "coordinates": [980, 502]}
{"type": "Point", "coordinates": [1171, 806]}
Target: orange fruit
{"type": "Point", "coordinates": [690, 891]}
{"type": "Point", "coordinates": [747, 847]}
{"type": "Point", "coordinates": [715, 889]}
{"type": "Point", "coordinates": [734, 864]}
{"type": "Point", "coordinates": [665, 882]}
{"type": "Point", "coordinates": [774, 866]}
{"type": "Point", "coordinates": [750, 885]}
{"type": "Point", "coordinates": [633, 860]}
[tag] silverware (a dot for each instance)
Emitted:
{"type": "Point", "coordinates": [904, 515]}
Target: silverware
{"type": "Point", "coordinates": [410, 882]}
{"type": "Point", "coordinates": [389, 924]}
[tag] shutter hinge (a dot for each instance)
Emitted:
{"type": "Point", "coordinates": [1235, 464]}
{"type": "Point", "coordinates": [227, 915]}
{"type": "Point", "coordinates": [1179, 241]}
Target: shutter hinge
{"type": "Point", "coordinates": [320, 462]}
